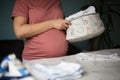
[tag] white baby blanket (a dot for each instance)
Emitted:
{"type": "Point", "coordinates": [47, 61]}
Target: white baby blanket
{"type": "Point", "coordinates": [61, 71]}
{"type": "Point", "coordinates": [85, 24]}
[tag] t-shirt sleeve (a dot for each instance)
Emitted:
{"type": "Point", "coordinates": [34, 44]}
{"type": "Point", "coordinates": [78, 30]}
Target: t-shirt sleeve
{"type": "Point", "coordinates": [20, 9]}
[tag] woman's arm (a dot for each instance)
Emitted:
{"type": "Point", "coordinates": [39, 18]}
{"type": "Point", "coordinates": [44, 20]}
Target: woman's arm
{"type": "Point", "coordinates": [24, 30]}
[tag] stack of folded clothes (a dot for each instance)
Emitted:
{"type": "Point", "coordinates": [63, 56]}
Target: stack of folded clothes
{"type": "Point", "coordinates": [61, 71]}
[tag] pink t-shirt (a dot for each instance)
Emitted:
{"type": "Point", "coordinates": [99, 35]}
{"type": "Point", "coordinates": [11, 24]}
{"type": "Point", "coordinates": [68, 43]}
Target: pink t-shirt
{"type": "Point", "coordinates": [51, 43]}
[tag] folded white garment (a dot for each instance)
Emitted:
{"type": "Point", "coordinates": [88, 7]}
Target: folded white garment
{"type": "Point", "coordinates": [97, 57]}
{"type": "Point", "coordinates": [85, 24]}
{"type": "Point", "coordinates": [61, 71]}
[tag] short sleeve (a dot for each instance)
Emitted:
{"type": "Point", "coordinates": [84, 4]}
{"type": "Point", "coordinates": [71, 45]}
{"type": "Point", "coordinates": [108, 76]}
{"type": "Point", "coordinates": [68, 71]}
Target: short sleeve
{"type": "Point", "coordinates": [20, 9]}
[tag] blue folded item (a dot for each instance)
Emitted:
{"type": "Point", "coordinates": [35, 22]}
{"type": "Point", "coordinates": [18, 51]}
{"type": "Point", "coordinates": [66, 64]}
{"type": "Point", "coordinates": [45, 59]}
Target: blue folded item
{"type": "Point", "coordinates": [12, 69]}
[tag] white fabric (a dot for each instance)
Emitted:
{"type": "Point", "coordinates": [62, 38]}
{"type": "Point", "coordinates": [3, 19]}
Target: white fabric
{"type": "Point", "coordinates": [84, 25]}
{"type": "Point", "coordinates": [81, 13]}
{"type": "Point", "coordinates": [98, 57]}
{"type": "Point", "coordinates": [61, 71]}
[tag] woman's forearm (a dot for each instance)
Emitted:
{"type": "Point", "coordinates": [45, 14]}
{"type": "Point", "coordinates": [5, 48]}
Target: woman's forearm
{"type": "Point", "coordinates": [24, 30]}
{"type": "Point", "coordinates": [29, 30]}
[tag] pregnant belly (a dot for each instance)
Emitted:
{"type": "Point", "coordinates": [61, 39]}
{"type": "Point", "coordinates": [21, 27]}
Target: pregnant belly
{"type": "Point", "coordinates": [48, 44]}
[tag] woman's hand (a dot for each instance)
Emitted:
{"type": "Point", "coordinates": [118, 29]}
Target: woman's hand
{"type": "Point", "coordinates": [59, 24]}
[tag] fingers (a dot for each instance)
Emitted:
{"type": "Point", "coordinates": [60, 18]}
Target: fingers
{"type": "Point", "coordinates": [65, 25]}
{"type": "Point", "coordinates": [60, 24]}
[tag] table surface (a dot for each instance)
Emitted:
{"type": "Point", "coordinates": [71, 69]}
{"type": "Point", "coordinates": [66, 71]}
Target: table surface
{"type": "Point", "coordinates": [94, 70]}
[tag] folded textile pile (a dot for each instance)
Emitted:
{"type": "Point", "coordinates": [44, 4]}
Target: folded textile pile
{"type": "Point", "coordinates": [61, 71]}
{"type": "Point", "coordinates": [85, 24]}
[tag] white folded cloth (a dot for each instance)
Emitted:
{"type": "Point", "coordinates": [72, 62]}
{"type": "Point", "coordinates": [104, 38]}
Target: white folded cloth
{"type": "Point", "coordinates": [97, 57]}
{"type": "Point", "coordinates": [85, 24]}
{"type": "Point", "coordinates": [61, 71]}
